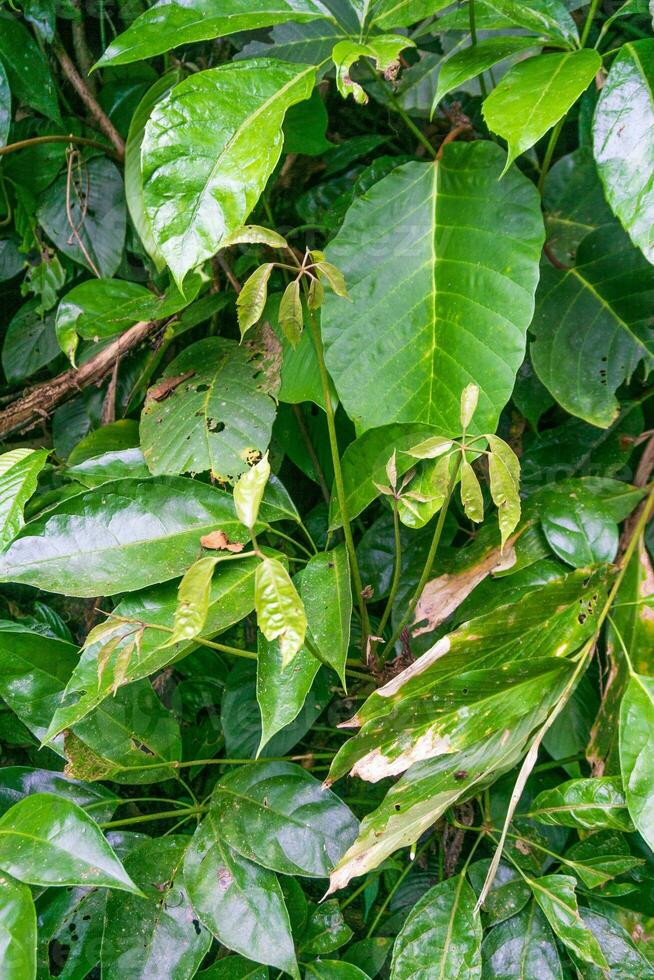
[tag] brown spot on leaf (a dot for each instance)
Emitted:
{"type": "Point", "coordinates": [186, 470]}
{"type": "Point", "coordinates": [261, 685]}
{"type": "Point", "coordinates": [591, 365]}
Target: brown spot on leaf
{"type": "Point", "coordinates": [163, 389]}
{"type": "Point", "coordinates": [218, 541]}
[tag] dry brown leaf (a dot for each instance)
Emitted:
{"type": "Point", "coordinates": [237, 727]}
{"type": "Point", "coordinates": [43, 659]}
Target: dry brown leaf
{"type": "Point", "coordinates": [218, 541]}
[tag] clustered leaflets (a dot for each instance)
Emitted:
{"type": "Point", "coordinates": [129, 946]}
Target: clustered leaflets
{"type": "Point", "coordinates": [326, 582]}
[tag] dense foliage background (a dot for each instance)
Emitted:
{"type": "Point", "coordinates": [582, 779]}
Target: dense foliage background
{"type": "Point", "coordinates": [325, 487]}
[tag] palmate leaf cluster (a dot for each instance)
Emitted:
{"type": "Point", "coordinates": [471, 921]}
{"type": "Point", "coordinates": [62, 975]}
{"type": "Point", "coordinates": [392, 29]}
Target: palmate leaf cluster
{"type": "Point", "coordinates": [326, 472]}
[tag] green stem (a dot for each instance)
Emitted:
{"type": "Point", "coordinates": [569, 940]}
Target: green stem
{"type": "Point", "coordinates": [385, 903]}
{"type": "Point", "coordinates": [287, 537]}
{"type": "Point", "coordinates": [473, 39]}
{"type": "Point", "coordinates": [315, 652]}
{"type": "Point", "coordinates": [77, 140]}
{"type": "Point", "coordinates": [549, 153]}
{"type": "Point", "coordinates": [589, 22]}
{"type": "Point", "coordinates": [338, 477]}
{"type": "Point", "coordinates": [404, 116]}
{"type": "Point", "coordinates": [396, 570]}
{"type": "Point", "coordinates": [426, 572]}
{"type": "Point", "coordinates": [148, 817]}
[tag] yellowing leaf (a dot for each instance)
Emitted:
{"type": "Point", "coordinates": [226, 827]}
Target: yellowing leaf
{"type": "Point", "coordinates": [280, 612]}
{"type": "Point", "coordinates": [252, 298]}
{"type": "Point", "coordinates": [504, 472]}
{"type": "Point", "coordinates": [193, 600]}
{"type": "Point", "coordinates": [471, 497]}
{"type": "Point", "coordinates": [249, 491]}
{"type": "Point", "coordinates": [290, 313]}
{"type": "Point", "coordinates": [469, 400]}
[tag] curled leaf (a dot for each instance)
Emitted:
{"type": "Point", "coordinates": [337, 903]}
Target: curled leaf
{"type": "Point", "coordinates": [252, 298]}
{"type": "Point", "coordinates": [249, 490]}
{"type": "Point", "coordinates": [280, 611]}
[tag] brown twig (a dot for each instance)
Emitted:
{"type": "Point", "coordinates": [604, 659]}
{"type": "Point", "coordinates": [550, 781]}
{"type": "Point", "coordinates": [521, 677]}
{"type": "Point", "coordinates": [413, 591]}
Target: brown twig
{"type": "Point", "coordinates": [552, 259]}
{"type": "Point", "coordinates": [465, 126]}
{"type": "Point", "coordinates": [78, 140]}
{"type": "Point", "coordinates": [100, 118]}
{"type": "Point", "coordinates": [72, 157]}
{"type": "Point", "coordinates": [41, 400]}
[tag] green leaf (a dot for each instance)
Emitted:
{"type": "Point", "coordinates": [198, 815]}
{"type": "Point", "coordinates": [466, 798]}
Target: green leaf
{"type": "Point", "coordinates": [157, 935]}
{"type": "Point", "coordinates": [535, 94]}
{"type": "Point", "coordinates": [414, 300]}
{"type": "Point", "coordinates": [474, 679]}
{"type": "Point", "coordinates": [622, 955]}
{"type": "Point", "coordinates": [508, 894]}
{"type": "Point", "coordinates": [102, 308]}
{"type": "Point", "coordinates": [17, 930]}
{"type": "Point", "coordinates": [193, 600]}
{"type": "Point", "coordinates": [133, 178]}
{"type": "Point", "coordinates": [171, 25]}
{"type": "Point", "coordinates": [234, 968]}
{"type": "Point", "coordinates": [281, 688]}
{"type": "Point", "coordinates": [556, 896]}
{"type": "Point", "coordinates": [97, 211]}
{"type": "Point", "coordinates": [153, 536]}
{"type": "Point", "coordinates": [636, 761]}
{"type": "Point", "coordinates": [580, 530]}
{"type": "Point", "coordinates": [219, 414]}
{"type": "Point", "coordinates": [548, 17]}
{"type": "Point", "coordinates": [201, 181]}
{"type": "Point", "coordinates": [240, 903]}
{"type": "Point", "coordinates": [253, 297]}
{"type": "Point", "coordinates": [326, 930]}
{"type": "Point", "coordinates": [291, 317]}
{"type": "Point", "coordinates": [442, 934]}
{"type": "Point", "coordinates": [504, 472]}
{"type": "Point", "coordinates": [46, 840]}
{"type": "Point", "coordinates": [249, 490]}
{"type": "Point", "coordinates": [427, 491]}
{"type": "Point", "coordinates": [327, 596]}
{"type": "Point", "coordinates": [120, 464]}
{"type": "Point", "coordinates": [27, 68]}
{"type": "Point", "coordinates": [600, 307]}
{"type": "Point", "coordinates": [471, 495]}
{"type": "Point", "coordinates": [383, 49]}
{"type": "Point", "coordinates": [5, 106]}
{"type": "Point", "coordinates": [574, 203]}
{"type": "Point", "coordinates": [333, 970]}
{"type": "Point", "coordinates": [522, 948]}
{"type": "Point", "coordinates": [19, 473]}
{"type": "Point", "coordinates": [468, 63]}
{"type": "Point", "coordinates": [30, 342]}
{"type": "Point", "coordinates": [623, 130]}
{"type": "Point", "coordinates": [402, 13]}
{"type": "Point", "coordinates": [280, 612]}
{"type": "Point", "coordinates": [17, 782]}
{"type": "Point", "coordinates": [278, 815]}
{"type": "Point", "coordinates": [232, 598]}
{"type": "Point", "coordinates": [600, 857]}
{"type": "Point", "coordinates": [588, 804]}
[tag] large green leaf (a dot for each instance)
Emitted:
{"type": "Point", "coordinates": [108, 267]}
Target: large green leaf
{"type": "Point", "coordinates": [522, 948]}
{"type": "Point", "coordinates": [508, 894]}
{"type": "Point", "coordinates": [416, 312]}
{"type": "Point", "coordinates": [27, 67]}
{"type": "Point", "coordinates": [326, 930]}
{"type": "Point", "coordinates": [591, 325]}
{"type": "Point", "coordinates": [327, 596]}
{"type": "Point", "coordinates": [46, 840]}
{"type": "Point", "coordinates": [556, 896]}
{"type": "Point", "coordinates": [401, 13]}
{"type": "Point", "coordinates": [209, 148]}
{"type": "Point", "coordinates": [220, 416]}
{"type": "Point", "coordinates": [30, 342]}
{"type": "Point", "coordinates": [278, 815]}
{"type": "Point", "coordinates": [550, 18]}
{"type": "Point", "coordinates": [98, 212]}
{"type": "Point", "coordinates": [239, 902]}
{"type": "Point", "coordinates": [281, 690]}
{"type": "Point", "coordinates": [168, 25]}
{"type": "Point", "coordinates": [17, 930]}
{"type": "Point", "coordinates": [600, 857]}
{"type": "Point", "coordinates": [579, 529]}
{"type": "Point", "coordinates": [475, 679]}
{"type": "Point", "coordinates": [589, 804]}
{"type": "Point", "coordinates": [17, 782]}
{"type": "Point", "coordinates": [535, 94]}
{"type": "Point", "coordinates": [231, 599]}
{"type": "Point", "coordinates": [624, 958]}
{"type": "Point", "coordinates": [470, 62]}
{"type": "Point", "coordinates": [636, 758]}
{"type": "Point", "coordinates": [280, 612]}
{"type": "Point", "coordinates": [441, 936]}
{"type": "Point", "coordinates": [157, 935]}
{"type": "Point", "coordinates": [623, 133]}
{"type": "Point", "coordinates": [574, 203]}
{"type": "Point", "coordinates": [121, 537]}
{"type": "Point", "coordinates": [19, 472]}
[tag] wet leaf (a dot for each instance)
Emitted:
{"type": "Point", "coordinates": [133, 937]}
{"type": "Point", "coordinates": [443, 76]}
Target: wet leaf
{"type": "Point", "coordinates": [280, 612]}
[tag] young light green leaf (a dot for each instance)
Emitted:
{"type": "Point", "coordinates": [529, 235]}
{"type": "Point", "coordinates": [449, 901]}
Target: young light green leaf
{"type": "Point", "coordinates": [249, 490]}
{"type": "Point", "coordinates": [441, 935]}
{"type": "Point", "coordinates": [623, 131]}
{"type": "Point", "coordinates": [291, 318]}
{"type": "Point", "coordinates": [636, 759]}
{"type": "Point", "coordinates": [471, 495]}
{"type": "Point", "coordinates": [280, 612]}
{"type": "Point", "coordinates": [469, 402]}
{"type": "Point", "coordinates": [201, 181]}
{"type": "Point", "coordinates": [253, 297]}
{"type": "Point", "coordinates": [239, 902]}
{"type": "Point", "coordinates": [327, 596]}
{"type": "Point", "coordinates": [470, 62]}
{"type": "Point", "coordinates": [384, 50]}
{"type": "Point", "coordinates": [535, 94]}
{"type": "Point", "coordinates": [522, 947]}
{"type": "Point", "coordinates": [17, 930]}
{"type": "Point", "coordinates": [430, 448]}
{"type": "Point", "coordinates": [47, 840]}
{"type": "Point", "coordinates": [19, 472]}
{"type": "Point", "coordinates": [504, 473]}
{"type": "Point", "coordinates": [255, 235]}
{"type": "Point", "coordinates": [326, 930]}
{"type": "Point", "coordinates": [588, 804]}
{"type": "Point", "coordinates": [281, 689]}
{"type": "Point", "coordinates": [426, 493]}
{"type": "Point", "coordinates": [192, 601]}
{"type": "Point", "coordinates": [335, 278]}
{"type": "Point", "coordinates": [556, 896]}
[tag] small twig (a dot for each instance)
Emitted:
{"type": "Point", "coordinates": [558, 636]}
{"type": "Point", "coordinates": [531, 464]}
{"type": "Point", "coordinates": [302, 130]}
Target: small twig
{"type": "Point", "coordinates": [70, 138]}
{"type": "Point", "coordinates": [222, 262]}
{"type": "Point", "coordinates": [552, 259]}
{"type": "Point", "coordinates": [72, 156]}
{"type": "Point", "coordinates": [109, 404]}
{"type": "Point", "coordinates": [98, 115]}
{"type": "Point", "coordinates": [462, 127]}
{"type": "Point", "coordinates": [306, 436]}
